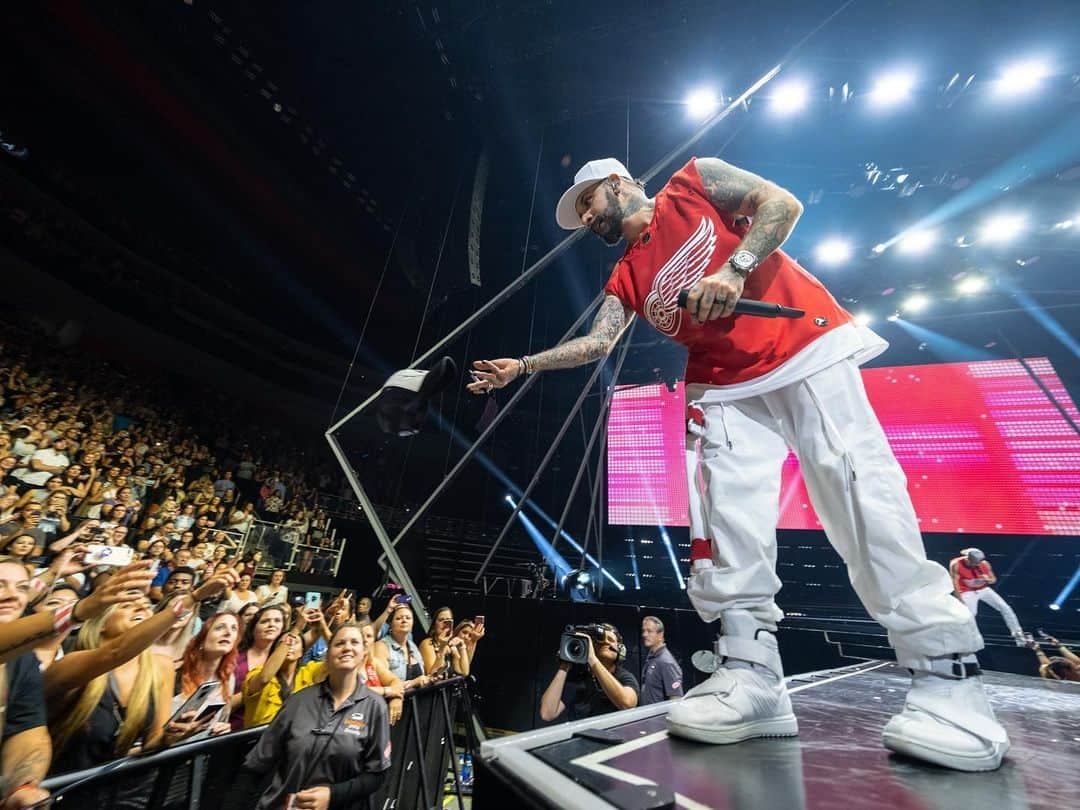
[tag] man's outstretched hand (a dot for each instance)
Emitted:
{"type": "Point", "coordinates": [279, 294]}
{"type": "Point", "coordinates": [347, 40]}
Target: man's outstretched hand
{"type": "Point", "coordinates": [491, 374]}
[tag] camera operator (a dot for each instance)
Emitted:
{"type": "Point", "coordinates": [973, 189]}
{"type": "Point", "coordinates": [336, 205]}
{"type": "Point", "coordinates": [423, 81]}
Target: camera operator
{"type": "Point", "coordinates": [606, 686]}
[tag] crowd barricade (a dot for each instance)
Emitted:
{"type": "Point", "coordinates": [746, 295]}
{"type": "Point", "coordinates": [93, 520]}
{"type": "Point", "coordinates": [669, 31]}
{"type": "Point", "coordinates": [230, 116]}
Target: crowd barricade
{"type": "Point", "coordinates": [197, 775]}
{"type": "Point", "coordinates": [287, 547]}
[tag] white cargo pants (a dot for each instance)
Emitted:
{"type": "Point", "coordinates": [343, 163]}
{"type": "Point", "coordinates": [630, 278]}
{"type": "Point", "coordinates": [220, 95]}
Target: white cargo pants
{"type": "Point", "coordinates": [994, 600]}
{"type": "Point", "coordinates": [859, 492]}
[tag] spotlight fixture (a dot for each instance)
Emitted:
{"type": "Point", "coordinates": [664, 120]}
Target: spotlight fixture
{"type": "Point", "coordinates": [1002, 228]}
{"type": "Point", "coordinates": [971, 285]}
{"type": "Point", "coordinates": [1021, 77]}
{"type": "Point", "coordinates": [917, 242]}
{"type": "Point", "coordinates": [916, 303]}
{"type": "Point", "coordinates": [790, 97]}
{"type": "Point", "coordinates": [892, 89]}
{"type": "Point", "coordinates": [864, 318]}
{"type": "Point", "coordinates": [701, 103]}
{"type": "Point", "coordinates": [893, 318]}
{"type": "Point", "coordinates": [833, 251]}
{"type": "Point", "coordinates": [881, 247]}
{"type": "Point", "coordinates": [1055, 606]}
{"type": "Point", "coordinates": [578, 579]}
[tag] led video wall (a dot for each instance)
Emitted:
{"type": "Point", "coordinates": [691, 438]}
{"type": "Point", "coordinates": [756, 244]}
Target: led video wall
{"type": "Point", "coordinates": [983, 446]}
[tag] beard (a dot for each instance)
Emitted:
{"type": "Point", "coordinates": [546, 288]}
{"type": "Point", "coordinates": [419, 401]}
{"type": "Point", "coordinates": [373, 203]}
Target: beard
{"type": "Point", "coordinates": [608, 225]}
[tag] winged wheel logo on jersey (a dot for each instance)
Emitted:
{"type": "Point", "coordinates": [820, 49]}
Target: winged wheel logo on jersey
{"type": "Point", "coordinates": [683, 270]}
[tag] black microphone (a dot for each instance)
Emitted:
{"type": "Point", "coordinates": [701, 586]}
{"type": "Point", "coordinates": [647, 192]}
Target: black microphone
{"type": "Point", "coordinates": [746, 306]}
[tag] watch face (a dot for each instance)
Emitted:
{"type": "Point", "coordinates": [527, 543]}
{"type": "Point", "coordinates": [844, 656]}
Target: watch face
{"type": "Point", "coordinates": [744, 260]}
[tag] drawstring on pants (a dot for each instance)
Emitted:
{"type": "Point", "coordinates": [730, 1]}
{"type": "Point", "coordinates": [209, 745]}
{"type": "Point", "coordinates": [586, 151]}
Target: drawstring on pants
{"type": "Point", "coordinates": [723, 426]}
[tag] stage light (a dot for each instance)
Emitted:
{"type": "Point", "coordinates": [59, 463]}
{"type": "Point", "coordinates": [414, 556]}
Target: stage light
{"type": "Point", "coordinates": [509, 500]}
{"type": "Point", "coordinates": [971, 285]}
{"type": "Point", "coordinates": [1064, 225]}
{"type": "Point", "coordinates": [833, 251]}
{"type": "Point", "coordinates": [1055, 606]}
{"type": "Point", "coordinates": [881, 247]}
{"type": "Point", "coordinates": [701, 103]}
{"type": "Point", "coordinates": [893, 318]}
{"type": "Point", "coordinates": [542, 542]}
{"type": "Point", "coordinates": [864, 318]}
{"type": "Point", "coordinates": [790, 98]}
{"type": "Point", "coordinates": [1021, 77]}
{"type": "Point", "coordinates": [916, 303]}
{"type": "Point", "coordinates": [671, 556]}
{"type": "Point", "coordinates": [917, 241]}
{"type": "Point", "coordinates": [1002, 228]}
{"type": "Point", "coordinates": [892, 89]}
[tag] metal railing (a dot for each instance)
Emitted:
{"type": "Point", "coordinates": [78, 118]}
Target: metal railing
{"type": "Point", "coordinates": [198, 775]}
{"type": "Point", "coordinates": [285, 546]}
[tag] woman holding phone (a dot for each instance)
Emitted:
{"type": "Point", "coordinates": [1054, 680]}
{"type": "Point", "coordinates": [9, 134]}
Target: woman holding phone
{"type": "Point", "coordinates": [444, 653]}
{"type": "Point", "coordinates": [211, 656]}
{"type": "Point", "coordinates": [267, 687]}
{"type": "Point", "coordinates": [274, 592]}
{"type": "Point", "coordinates": [111, 696]}
{"type": "Point", "coordinates": [260, 634]}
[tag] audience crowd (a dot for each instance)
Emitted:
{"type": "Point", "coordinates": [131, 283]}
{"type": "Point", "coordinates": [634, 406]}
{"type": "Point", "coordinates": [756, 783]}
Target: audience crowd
{"type": "Point", "coordinates": [132, 617]}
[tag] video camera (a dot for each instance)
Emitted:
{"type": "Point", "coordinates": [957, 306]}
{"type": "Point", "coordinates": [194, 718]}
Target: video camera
{"type": "Point", "coordinates": [573, 649]}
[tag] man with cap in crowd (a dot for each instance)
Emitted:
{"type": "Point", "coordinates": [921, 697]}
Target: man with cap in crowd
{"type": "Point", "coordinates": [972, 577]}
{"type": "Point", "coordinates": [756, 387]}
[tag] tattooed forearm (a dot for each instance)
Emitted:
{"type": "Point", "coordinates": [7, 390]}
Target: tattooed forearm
{"type": "Point", "coordinates": [773, 210]}
{"type": "Point", "coordinates": [771, 225]}
{"type": "Point", "coordinates": [609, 322]}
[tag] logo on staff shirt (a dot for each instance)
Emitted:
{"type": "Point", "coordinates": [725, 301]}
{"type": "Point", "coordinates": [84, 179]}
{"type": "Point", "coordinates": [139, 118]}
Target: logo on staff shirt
{"type": "Point", "coordinates": [354, 724]}
{"type": "Point", "coordinates": [683, 270]}
{"type": "Point", "coordinates": [676, 684]}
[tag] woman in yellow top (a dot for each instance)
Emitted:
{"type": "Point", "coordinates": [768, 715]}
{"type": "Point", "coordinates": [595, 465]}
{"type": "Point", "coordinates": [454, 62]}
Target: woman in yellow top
{"type": "Point", "coordinates": [267, 687]}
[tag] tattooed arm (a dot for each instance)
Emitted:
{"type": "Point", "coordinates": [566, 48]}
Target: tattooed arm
{"type": "Point", "coordinates": [773, 212]}
{"type": "Point", "coordinates": [610, 320]}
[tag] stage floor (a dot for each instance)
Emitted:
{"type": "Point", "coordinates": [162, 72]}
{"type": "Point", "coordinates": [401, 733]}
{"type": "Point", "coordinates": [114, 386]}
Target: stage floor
{"type": "Point", "coordinates": [837, 761]}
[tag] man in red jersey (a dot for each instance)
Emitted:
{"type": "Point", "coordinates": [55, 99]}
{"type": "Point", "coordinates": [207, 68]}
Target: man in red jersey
{"type": "Point", "coordinates": [972, 576]}
{"type": "Point", "coordinates": [755, 387]}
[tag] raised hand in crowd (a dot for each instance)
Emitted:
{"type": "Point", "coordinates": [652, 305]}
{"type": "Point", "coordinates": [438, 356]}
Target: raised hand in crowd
{"type": "Point", "coordinates": [22, 634]}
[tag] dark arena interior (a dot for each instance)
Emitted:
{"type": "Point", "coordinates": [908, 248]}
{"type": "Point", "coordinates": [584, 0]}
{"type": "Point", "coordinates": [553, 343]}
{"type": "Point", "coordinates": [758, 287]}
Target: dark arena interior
{"type": "Point", "coordinates": [521, 403]}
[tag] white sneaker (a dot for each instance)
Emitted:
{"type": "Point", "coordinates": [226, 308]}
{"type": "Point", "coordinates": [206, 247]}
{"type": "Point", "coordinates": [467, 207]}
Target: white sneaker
{"type": "Point", "coordinates": [1022, 639]}
{"type": "Point", "coordinates": [745, 697]}
{"type": "Point", "coordinates": [947, 719]}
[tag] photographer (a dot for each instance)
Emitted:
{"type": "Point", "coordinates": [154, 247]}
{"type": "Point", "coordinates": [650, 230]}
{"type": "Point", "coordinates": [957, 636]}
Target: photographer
{"type": "Point", "coordinates": [607, 686]}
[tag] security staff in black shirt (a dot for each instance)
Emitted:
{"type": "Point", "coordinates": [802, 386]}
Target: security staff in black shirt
{"type": "Point", "coordinates": [662, 678]}
{"type": "Point", "coordinates": [606, 687]}
{"type": "Point", "coordinates": [329, 746]}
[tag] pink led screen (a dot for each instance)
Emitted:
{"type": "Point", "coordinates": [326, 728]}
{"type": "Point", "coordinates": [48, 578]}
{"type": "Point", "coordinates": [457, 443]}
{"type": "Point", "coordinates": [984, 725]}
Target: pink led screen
{"type": "Point", "coordinates": [985, 450]}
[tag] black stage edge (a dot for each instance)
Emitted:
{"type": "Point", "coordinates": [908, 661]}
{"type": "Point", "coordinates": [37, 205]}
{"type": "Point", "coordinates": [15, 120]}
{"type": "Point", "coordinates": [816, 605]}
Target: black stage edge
{"type": "Point", "coordinates": [837, 761]}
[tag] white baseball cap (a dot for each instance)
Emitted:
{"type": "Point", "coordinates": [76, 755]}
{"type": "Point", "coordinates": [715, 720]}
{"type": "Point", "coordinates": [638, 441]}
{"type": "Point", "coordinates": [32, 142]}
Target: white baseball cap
{"type": "Point", "coordinates": [566, 212]}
